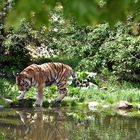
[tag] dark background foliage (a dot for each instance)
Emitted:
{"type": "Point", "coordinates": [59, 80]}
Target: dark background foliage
{"type": "Point", "coordinates": [102, 49]}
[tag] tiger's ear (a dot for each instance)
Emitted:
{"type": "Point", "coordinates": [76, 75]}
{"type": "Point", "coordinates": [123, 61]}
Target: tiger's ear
{"type": "Point", "coordinates": [17, 74]}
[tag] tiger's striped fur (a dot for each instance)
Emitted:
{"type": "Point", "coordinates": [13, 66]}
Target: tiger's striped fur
{"type": "Point", "coordinates": [45, 75]}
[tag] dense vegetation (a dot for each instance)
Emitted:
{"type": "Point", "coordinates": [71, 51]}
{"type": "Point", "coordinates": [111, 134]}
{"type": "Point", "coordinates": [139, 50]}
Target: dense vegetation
{"type": "Point", "coordinates": [101, 48]}
{"type": "Point", "coordinates": [111, 52]}
{"type": "Point", "coordinates": [106, 59]}
{"type": "Point", "coordinates": [85, 12]}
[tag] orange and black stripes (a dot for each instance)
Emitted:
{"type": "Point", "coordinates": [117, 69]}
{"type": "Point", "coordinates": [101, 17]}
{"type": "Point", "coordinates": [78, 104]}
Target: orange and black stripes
{"type": "Point", "coordinates": [46, 74]}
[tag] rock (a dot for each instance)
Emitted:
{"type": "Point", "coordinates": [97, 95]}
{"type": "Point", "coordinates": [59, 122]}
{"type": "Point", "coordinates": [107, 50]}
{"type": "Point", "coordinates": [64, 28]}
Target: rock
{"type": "Point", "coordinates": [8, 101]}
{"type": "Point", "coordinates": [88, 86]}
{"type": "Point", "coordinates": [84, 88]}
{"type": "Point", "coordinates": [139, 107]}
{"type": "Point", "coordinates": [1, 107]}
{"type": "Point", "coordinates": [91, 75]}
{"type": "Point", "coordinates": [91, 85]}
{"type": "Point", "coordinates": [122, 112]}
{"type": "Point", "coordinates": [93, 105]}
{"type": "Point", "coordinates": [105, 106]}
{"type": "Point", "coordinates": [23, 103]}
{"type": "Point", "coordinates": [123, 105]}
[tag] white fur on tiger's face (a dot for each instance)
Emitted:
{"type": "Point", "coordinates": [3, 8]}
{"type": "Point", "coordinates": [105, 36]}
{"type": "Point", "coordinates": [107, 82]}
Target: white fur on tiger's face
{"type": "Point", "coordinates": [23, 84]}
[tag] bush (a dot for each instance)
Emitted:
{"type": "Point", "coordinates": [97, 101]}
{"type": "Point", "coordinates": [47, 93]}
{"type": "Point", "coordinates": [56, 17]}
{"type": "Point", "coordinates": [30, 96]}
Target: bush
{"type": "Point", "coordinates": [100, 49]}
{"type": "Point", "coordinates": [16, 56]}
{"type": "Point", "coordinates": [118, 55]}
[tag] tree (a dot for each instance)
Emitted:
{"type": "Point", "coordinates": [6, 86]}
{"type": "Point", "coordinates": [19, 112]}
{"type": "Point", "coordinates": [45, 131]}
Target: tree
{"type": "Point", "coordinates": [85, 11]}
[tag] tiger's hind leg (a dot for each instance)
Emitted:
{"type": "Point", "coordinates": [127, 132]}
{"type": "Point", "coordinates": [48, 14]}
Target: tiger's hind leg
{"type": "Point", "coordinates": [63, 91]}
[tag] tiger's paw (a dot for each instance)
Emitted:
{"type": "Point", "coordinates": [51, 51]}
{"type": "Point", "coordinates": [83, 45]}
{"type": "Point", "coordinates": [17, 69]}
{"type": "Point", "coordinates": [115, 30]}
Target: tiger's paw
{"type": "Point", "coordinates": [38, 102]}
{"type": "Point", "coordinates": [19, 97]}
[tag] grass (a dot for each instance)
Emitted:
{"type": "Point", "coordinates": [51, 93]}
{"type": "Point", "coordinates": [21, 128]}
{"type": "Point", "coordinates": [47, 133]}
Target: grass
{"type": "Point", "coordinates": [112, 94]}
{"type": "Point", "coordinates": [8, 89]}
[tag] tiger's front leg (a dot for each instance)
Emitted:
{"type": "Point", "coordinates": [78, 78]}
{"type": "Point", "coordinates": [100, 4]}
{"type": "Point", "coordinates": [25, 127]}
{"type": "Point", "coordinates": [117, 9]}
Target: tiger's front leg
{"type": "Point", "coordinates": [39, 99]}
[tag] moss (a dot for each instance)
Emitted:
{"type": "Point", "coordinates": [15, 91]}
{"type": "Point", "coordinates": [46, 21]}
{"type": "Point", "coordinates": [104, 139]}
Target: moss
{"type": "Point", "coordinates": [46, 104]}
{"type": "Point", "coordinates": [23, 103]}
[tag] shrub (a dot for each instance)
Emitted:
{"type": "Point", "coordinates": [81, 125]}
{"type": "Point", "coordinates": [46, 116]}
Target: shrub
{"type": "Point", "coordinates": [118, 55]}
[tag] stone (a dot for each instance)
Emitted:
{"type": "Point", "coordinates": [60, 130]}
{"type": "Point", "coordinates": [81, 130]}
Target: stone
{"type": "Point", "coordinates": [8, 101]}
{"type": "Point", "coordinates": [1, 107]}
{"type": "Point", "coordinates": [93, 105]}
{"type": "Point", "coordinates": [91, 75]}
{"type": "Point", "coordinates": [123, 105]}
{"type": "Point", "coordinates": [139, 107]}
{"type": "Point", "coordinates": [91, 85]}
{"type": "Point", "coordinates": [105, 106]}
{"type": "Point", "coordinates": [123, 112]}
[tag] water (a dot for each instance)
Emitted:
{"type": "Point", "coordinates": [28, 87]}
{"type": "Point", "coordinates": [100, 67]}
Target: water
{"type": "Point", "coordinates": [66, 124]}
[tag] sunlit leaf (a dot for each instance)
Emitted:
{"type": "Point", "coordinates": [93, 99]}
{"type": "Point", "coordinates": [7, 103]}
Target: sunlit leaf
{"type": "Point", "coordinates": [85, 12]}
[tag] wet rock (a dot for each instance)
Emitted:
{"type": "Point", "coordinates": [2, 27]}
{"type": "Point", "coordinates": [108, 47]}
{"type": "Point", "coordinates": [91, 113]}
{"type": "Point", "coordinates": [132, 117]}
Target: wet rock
{"type": "Point", "coordinates": [105, 106]}
{"type": "Point", "coordinates": [8, 101]}
{"type": "Point", "coordinates": [88, 86]}
{"type": "Point", "coordinates": [123, 112]}
{"type": "Point", "coordinates": [1, 107]}
{"type": "Point", "coordinates": [123, 105]}
{"type": "Point", "coordinates": [91, 75]}
{"type": "Point", "coordinates": [139, 107]}
{"type": "Point", "coordinates": [23, 103]}
{"type": "Point", "coordinates": [91, 85]}
{"type": "Point", "coordinates": [93, 105]}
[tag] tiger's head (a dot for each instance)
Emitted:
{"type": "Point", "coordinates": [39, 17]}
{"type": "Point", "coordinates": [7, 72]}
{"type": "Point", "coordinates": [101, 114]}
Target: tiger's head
{"type": "Point", "coordinates": [23, 82]}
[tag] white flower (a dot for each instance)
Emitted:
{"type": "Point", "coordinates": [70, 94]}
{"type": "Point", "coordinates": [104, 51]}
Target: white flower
{"type": "Point", "coordinates": [55, 29]}
{"type": "Point", "coordinates": [55, 18]}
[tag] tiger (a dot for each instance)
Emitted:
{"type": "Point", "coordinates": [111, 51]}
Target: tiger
{"type": "Point", "coordinates": [44, 75]}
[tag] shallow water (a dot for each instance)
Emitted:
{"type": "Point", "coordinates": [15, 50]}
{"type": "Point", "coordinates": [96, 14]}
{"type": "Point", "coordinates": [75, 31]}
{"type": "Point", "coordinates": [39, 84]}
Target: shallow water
{"type": "Point", "coordinates": [66, 124]}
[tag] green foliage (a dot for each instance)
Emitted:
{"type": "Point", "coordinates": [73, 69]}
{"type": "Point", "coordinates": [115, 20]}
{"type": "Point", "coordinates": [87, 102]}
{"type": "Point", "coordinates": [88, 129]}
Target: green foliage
{"type": "Point", "coordinates": [120, 56]}
{"type": "Point", "coordinates": [85, 12]}
{"type": "Point", "coordinates": [64, 34]}
{"type": "Point", "coordinates": [115, 52]}
{"type": "Point", "coordinates": [14, 53]}
{"type": "Point", "coordinates": [101, 49]}
{"type": "Point", "coordinates": [73, 91]}
{"type": "Point", "coordinates": [16, 56]}
{"type": "Point", "coordinates": [23, 103]}
{"type": "Point", "coordinates": [46, 104]}
{"type": "Point", "coordinates": [8, 89]}
{"type": "Point", "coordinates": [2, 136]}
{"type": "Point", "coordinates": [113, 94]}
{"type": "Point", "coordinates": [76, 96]}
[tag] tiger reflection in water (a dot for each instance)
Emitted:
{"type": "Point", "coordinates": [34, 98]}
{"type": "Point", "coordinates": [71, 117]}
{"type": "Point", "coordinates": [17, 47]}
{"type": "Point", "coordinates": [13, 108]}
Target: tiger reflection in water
{"type": "Point", "coordinates": [38, 125]}
{"type": "Point", "coordinates": [45, 75]}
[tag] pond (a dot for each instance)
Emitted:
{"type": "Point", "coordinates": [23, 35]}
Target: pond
{"type": "Point", "coordinates": [72, 123]}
